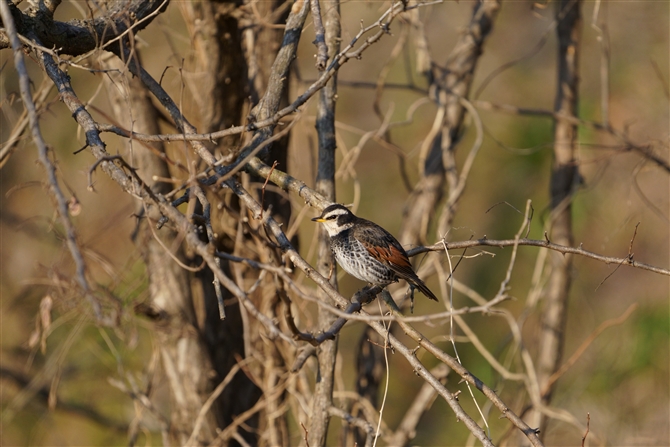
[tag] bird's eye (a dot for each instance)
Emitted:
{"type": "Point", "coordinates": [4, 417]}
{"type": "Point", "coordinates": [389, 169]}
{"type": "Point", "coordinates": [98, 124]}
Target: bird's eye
{"type": "Point", "coordinates": [330, 217]}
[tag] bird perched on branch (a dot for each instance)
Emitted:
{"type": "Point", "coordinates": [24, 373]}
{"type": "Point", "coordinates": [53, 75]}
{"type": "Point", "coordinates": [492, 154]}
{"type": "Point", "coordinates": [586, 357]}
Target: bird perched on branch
{"type": "Point", "coordinates": [367, 251]}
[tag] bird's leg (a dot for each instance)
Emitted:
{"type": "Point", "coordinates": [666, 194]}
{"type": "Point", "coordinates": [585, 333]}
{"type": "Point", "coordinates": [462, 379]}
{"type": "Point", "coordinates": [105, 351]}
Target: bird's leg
{"type": "Point", "coordinates": [411, 299]}
{"type": "Point", "coordinates": [332, 268]}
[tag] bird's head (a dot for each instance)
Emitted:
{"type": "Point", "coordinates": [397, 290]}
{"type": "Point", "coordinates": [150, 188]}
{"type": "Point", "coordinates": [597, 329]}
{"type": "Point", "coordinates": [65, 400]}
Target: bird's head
{"type": "Point", "coordinates": [336, 218]}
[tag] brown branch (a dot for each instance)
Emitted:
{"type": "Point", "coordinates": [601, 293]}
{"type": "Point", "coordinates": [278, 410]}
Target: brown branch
{"type": "Point", "coordinates": [458, 77]}
{"type": "Point", "coordinates": [278, 79]}
{"type": "Point", "coordinates": [10, 145]}
{"type": "Point", "coordinates": [303, 354]}
{"type": "Point", "coordinates": [423, 342]}
{"type": "Point", "coordinates": [141, 398]}
{"type": "Point", "coordinates": [231, 429]}
{"type": "Point", "coordinates": [209, 402]}
{"type": "Point", "coordinates": [320, 40]}
{"type": "Point", "coordinates": [588, 426]}
{"type": "Point", "coordinates": [448, 89]}
{"type": "Point", "coordinates": [290, 321]}
{"type": "Point", "coordinates": [543, 244]}
{"type": "Point", "coordinates": [563, 184]}
{"type": "Point", "coordinates": [355, 421]}
{"type": "Point", "coordinates": [78, 37]}
{"type": "Point", "coordinates": [206, 214]}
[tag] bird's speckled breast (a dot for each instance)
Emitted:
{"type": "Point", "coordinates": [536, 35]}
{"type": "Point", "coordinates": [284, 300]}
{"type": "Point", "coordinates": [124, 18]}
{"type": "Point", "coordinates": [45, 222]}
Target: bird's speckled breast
{"type": "Point", "coordinates": [352, 256]}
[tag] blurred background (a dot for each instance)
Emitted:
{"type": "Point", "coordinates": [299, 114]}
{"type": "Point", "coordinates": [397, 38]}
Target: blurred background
{"type": "Point", "coordinates": [57, 378]}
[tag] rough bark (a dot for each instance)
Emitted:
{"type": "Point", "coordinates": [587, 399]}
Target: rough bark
{"type": "Point", "coordinates": [185, 357]}
{"type": "Point", "coordinates": [218, 82]}
{"type": "Point", "coordinates": [326, 353]}
{"type": "Point", "coordinates": [234, 56]}
{"type": "Point", "coordinates": [77, 37]}
{"type": "Point", "coordinates": [564, 180]}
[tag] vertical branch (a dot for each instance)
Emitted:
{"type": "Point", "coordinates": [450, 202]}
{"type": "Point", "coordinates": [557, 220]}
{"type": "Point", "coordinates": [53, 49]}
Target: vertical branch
{"type": "Point", "coordinates": [269, 103]}
{"type": "Point", "coordinates": [599, 24]}
{"type": "Point", "coordinates": [219, 84]}
{"type": "Point", "coordinates": [325, 184]}
{"type": "Point", "coordinates": [225, 40]}
{"type": "Point", "coordinates": [564, 179]}
{"type": "Point", "coordinates": [43, 152]}
{"type": "Point", "coordinates": [370, 369]}
{"type": "Point", "coordinates": [447, 88]}
{"type": "Point", "coordinates": [458, 81]}
{"type": "Point", "coordinates": [320, 40]}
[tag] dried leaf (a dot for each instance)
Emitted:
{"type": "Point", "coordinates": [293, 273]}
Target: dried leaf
{"type": "Point", "coordinates": [45, 318]}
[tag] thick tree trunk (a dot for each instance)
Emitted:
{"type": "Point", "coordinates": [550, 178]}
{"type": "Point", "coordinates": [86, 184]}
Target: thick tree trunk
{"type": "Point", "coordinates": [564, 180]}
{"type": "Point", "coordinates": [235, 54]}
{"type": "Point", "coordinates": [184, 354]}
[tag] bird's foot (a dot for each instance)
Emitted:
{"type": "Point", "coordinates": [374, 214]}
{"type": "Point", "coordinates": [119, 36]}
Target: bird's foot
{"type": "Point", "coordinates": [411, 298]}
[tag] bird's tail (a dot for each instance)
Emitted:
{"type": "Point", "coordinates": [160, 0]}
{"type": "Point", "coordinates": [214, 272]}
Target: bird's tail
{"type": "Point", "coordinates": [416, 282]}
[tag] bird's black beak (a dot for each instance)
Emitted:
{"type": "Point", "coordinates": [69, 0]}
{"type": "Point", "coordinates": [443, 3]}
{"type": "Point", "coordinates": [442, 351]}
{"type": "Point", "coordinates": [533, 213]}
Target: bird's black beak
{"type": "Point", "coordinates": [317, 219]}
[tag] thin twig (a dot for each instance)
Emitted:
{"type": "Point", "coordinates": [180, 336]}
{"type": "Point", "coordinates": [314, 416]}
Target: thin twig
{"type": "Point", "coordinates": [265, 184]}
{"type": "Point", "coordinates": [11, 143]}
{"type": "Point", "coordinates": [202, 198]}
{"type": "Point", "coordinates": [357, 422]}
{"type": "Point", "coordinates": [210, 401]}
{"type": "Point", "coordinates": [643, 149]}
{"type": "Point", "coordinates": [588, 426]}
{"type": "Point", "coordinates": [543, 244]}
{"type": "Point", "coordinates": [338, 61]}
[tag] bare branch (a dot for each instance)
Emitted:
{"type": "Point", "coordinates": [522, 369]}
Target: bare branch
{"type": "Point", "coordinates": [208, 403]}
{"type": "Point", "coordinates": [588, 426]}
{"type": "Point", "coordinates": [320, 41]}
{"type": "Point", "coordinates": [10, 145]}
{"type": "Point", "coordinates": [540, 243]}
{"type": "Point", "coordinates": [358, 422]}
{"type": "Point", "coordinates": [79, 37]}
{"type": "Point", "coordinates": [645, 151]}
{"type": "Point", "coordinates": [423, 342]}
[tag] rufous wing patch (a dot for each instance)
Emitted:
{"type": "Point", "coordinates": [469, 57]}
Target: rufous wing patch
{"type": "Point", "coordinates": [389, 255]}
